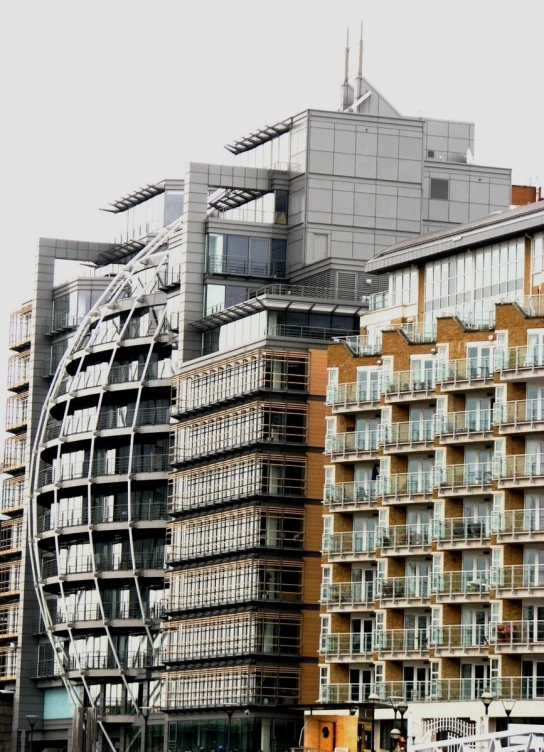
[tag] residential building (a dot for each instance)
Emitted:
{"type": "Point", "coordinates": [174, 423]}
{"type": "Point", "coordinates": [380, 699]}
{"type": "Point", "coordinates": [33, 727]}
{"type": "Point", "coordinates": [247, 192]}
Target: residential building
{"type": "Point", "coordinates": [176, 552]}
{"type": "Point", "coordinates": [433, 540]}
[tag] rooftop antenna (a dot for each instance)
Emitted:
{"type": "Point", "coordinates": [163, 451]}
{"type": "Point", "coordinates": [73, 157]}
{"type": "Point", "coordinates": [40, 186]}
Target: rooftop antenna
{"type": "Point", "coordinates": [360, 69]}
{"type": "Point", "coordinates": [347, 88]}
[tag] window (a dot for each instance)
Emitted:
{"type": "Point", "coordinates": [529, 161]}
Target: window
{"type": "Point", "coordinates": [440, 188]}
{"type": "Point", "coordinates": [430, 153]}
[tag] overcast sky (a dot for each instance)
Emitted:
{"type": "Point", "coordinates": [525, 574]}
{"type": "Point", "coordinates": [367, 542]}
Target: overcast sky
{"type": "Point", "coordinates": [102, 97]}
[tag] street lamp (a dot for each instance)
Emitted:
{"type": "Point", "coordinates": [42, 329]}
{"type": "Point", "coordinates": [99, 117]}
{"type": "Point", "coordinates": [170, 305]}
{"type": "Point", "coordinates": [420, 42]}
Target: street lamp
{"type": "Point", "coordinates": [229, 712]}
{"type": "Point", "coordinates": [395, 736]}
{"type": "Point", "coordinates": [373, 699]}
{"type": "Point", "coordinates": [487, 699]}
{"type": "Point", "coordinates": [508, 706]}
{"type": "Point", "coordinates": [402, 707]}
{"type": "Point", "coordinates": [32, 720]}
{"type": "Point", "coordinates": [145, 710]}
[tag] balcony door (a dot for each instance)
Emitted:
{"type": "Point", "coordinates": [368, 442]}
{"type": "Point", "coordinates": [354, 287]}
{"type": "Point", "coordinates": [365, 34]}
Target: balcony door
{"type": "Point", "coordinates": [534, 409]}
{"type": "Point", "coordinates": [479, 361]}
{"type": "Point", "coordinates": [417, 526]}
{"type": "Point", "coordinates": [364, 533]}
{"type": "Point", "coordinates": [475, 572]}
{"type": "Point", "coordinates": [360, 684]}
{"type": "Point", "coordinates": [367, 433]}
{"type": "Point", "coordinates": [478, 413]}
{"type": "Point", "coordinates": [533, 618]}
{"type": "Point", "coordinates": [418, 574]}
{"type": "Point", "coordinates": [416, 627]}
{"type": "Point", "coordinates": [419, 475]}
{"type": "Point", "coordinates": [533, 571]}
{"type": "Point", "coordinates": [533, 516]}
{"type": "Point", "coordinates": [363, 584]}
{"type": "Point", "coordinates": [534, 457]}
{"type": "Point", "coordinates": [532, 681]}
{"type": "Point", "coordinates": [474, 680]}
{"type": "Point", "coordinates": [474, 627]}
{"type": "Point", "coordinates": [368, 384]}
{"type": "Point", "coordinates": [421, 423]}
{"type": "Point", "coordinates": [416, 682]}
{"type": "Point", "coordinates": [422, 372]}
{"type": "Point", "coordinates": [535, 348]}
{"type": "Point", "coordinates": [477, 466]}
{"type": "Point", "coordinates": [361, 635]}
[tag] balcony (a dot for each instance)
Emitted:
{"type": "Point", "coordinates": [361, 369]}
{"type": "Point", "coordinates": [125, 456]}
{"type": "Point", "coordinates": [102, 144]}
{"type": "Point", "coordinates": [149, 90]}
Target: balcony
{"type": "Point", "coordinates": [102, 513]}
{"type": "Point", "coordinates": [10, 578]}
{"type": "Point", "coordinates": [442, 690]}
{"type": "Point", "coordinates": [362, 345]}
{"type": "Point", "coordinates": [245, 267]}
{"type": "Point", "coordinates": [413, 436]}
{"type": "Point", "coordinates": [405, 386]}
{"type": "Point", "coordinates": [462, 427]}
{"type": "Point", "coordinates": [353, 397]}
{"type": "Point", "coordinates": [20, 325]}
{"type": "Point", "coordinates": [459, 480]}
{"type": "Point", "coordinates": [348, 646]}
{"type": "Point", "coordinates": [519, 416]}
{"type": "Point", "coordinates": [18, 372]}
{"type": "Point", "coordinates": [404, 488]}
{"type": "Point", "coordinates": [16, 413]}
{"type": "Point", "coordinates": [405, 539]}
{"type": "Point", "coordinates": [416, 332]}
{"type": "Point", "coordinates": [13, 493]}
{"type": "Point", "coordinates": [351, 497]}
{"type": "Point", "coordinates": [399, 643]}
{"type": "Point", "coordinates": [108, 611]}
{"type": "Point", "coordinates": [457, 640]}
{"type": "Point", "coordinates": [519, 525]}
{"type": "Point", "coordinates": [519, 470]}
{"type": "Point", "coordinates": [520, 580]}
{"type": "Point", "coordinates": [122, 562]}
{"type": "Point", "coordinates": [290, 331]}
{"type": "Point", "coordinates": [404, 590]}
{"type": "Point", "coordinates": [348, 595]}
{"type": "Point", "coordinates": [353, 546]}
{"type": "Point", "coordinates": [518, 637]}
{"type": "Point", "coordinates": [153, 463]}
{"type": "Point", "coordinates": [465, 373]}
{"type": "Point", "coordinates": [352, 446]}
{"type": "Point", "coordinates": [15, 454]}
{"type": "Point", "coordinates": [11, 536]}
{"type": "Point", "coordinates": [455, 586]}
{"type": "Point", "coordinates": [461, 532]}
{"type": "Point", "coordinates": [527, 362]}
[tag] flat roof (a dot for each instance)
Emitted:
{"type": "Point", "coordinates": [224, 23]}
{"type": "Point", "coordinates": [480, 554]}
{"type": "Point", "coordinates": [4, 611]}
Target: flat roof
{"type": "Point", "coordinates": [454, 239]}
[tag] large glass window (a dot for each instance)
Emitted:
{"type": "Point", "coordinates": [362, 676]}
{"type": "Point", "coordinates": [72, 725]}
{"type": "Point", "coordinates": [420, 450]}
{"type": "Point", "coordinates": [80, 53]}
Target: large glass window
{"type": "Point", "coordinates": [245, 256]}
{"type": "Point", "coordinates": [470, 283]}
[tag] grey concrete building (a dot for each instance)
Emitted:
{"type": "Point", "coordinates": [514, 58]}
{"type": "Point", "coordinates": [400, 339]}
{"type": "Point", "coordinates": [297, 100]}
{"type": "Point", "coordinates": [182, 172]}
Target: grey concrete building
{"type": "Point", "coordinates": [265, 255]}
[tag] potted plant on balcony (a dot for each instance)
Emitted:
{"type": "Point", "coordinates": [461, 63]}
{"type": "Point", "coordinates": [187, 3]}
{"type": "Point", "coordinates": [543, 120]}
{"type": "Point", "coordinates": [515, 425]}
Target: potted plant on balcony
{"type": "Point", "coordinates": [504, 632]}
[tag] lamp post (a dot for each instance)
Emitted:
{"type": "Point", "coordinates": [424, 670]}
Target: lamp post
{"type": "Point", "coordinates": [229, 712]}
{"type": "Point", "coordinates": [145, 711]}
{"type": "Point", "coordinates": [402, 707]}
{"type": "Point", "coordinates": [395, 736]}
{"type": "Point", "coordinates": [373, 699]}
{"type": "Point", "coordinates": [487, 699]}
{"type": "Point", "coordinates": [32, 720]}
{"type": "Point", "coordinates": [508, 706]}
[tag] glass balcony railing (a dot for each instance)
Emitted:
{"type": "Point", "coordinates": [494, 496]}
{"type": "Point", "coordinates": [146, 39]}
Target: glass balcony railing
{"type": "Point", "coordinates": [356, 395]}
{"type": "Point", "coordinates": [518, 577]}
{"type": "Point", "coordinates": [406, 486]}
{"type": "Point", "coordinates": [415, 536]}
{"type": "Point", "coordinates": [416, 434]}
{"type": "Point", "coordinates": [460, 637]}
{"type": "Point", "coordinates": [404, 588]}
{"type": "Point", "coordinates": [525, 469]}
{"type": "Point", "coordinates": [464, 425]}
{"type": "Point", "coordinates": [356, 444]}
{"type": "Point", "coordinates": [525, 635]}
{"type": "Point", "coordinates": [462, 530]}
{"type": "Point", "coordinates": [361, 345]}
{"type": "Point", "coordinates": [519, 414]}
{"type": "Point", "coordinates": [361, 494]}
{"type": "Point", "coordinates": [527, 359]}
{"type": "Point", "coordinates": [450, 584]}
{"type": "Point", "coordinates": [464, 372]}
{"type": "Point", "coordinates": [396, 641]}
{"type": "Point", "coordinates": [356, 544]}
{"type": "Point", "coordinates": [348, 593]}
{"type": "Point", "coordinates": [516, 522]}
{"type": "Point", "coordinates": [347, 644]}
{"type": "Point", "coordinates": [458, 477]}
{"type": "Point", "coordinates": [401, 384]}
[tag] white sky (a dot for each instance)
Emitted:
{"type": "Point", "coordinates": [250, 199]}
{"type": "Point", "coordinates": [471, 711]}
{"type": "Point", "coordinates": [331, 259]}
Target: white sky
{"type": "Point", "coordinates": [102, 97]}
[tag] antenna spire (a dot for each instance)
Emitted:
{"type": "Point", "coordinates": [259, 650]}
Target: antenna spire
{"type": "Point", "coordinates": [346, 68]}
{"type": "Point", "coordinates": [360, 69]}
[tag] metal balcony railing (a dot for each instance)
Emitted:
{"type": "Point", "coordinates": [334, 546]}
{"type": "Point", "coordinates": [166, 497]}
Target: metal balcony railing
{"type": "Point", "coordinates": [355, 495]}
{"type": "Point", "coordinates": [356, 394]}
{"type": "Point", "coordinates": [401, 384]}
{"type": "Point", "coordinates": [463, 425]}
{"type": "Point", "coordinates": [406, 485]}
{"type": "Point", "coordinates": [202, 647]}
{"type": "Point", "coordinates": [465, 371]}
{"type": "Point", "coordinates": [459, 477]}
{"type": "Point", "coordinates": [402, 641]}
{"type": "Point", "coordinates": [18, 372]}
{"type": "Point", "coordinates": [514, 360]}
{"type": "Point", "coordinates": [460, 637]}
{"type": "Point", "coordinates": [93, 612]}
{"type": "Point", "coordinates": [16, 412]}
{"type": "Point", "coordinates": [416, 332]}
{"type": "Point", "coordinates": [378, 300]}
{"type": "Point", "coordinates": [441, 690]}
{"type": "Point", "coordinates": [405, 588]}
{"type": "Point", "coordinates": [347, 644]}
{"type": "Point", "coordinates": [354, 544]}
{"type": "Point", "coordinates": [518, 577]}
{"type": "Point", "coordinates": [462, 530]}
{"type": "Point", "coordinates": [153, 463]}
{"type": "Point", "coordinates": [245, 267]}
{"type": "Point", "coordinates": [215, 545]}
{"type": "Point", "coordinates": [362, 344]}
{"type": "Point", "coordinates": [416, 434]}
{"type": "Point", "coordinates": [348, 593]}
{"type": "Point", "coordinates": [519, 468]}
{"type": "Point", "coordinates": [13, 493]}
{"type": "Point", "coordinates": [405, 536]}
{"type": "Point", "coordinates": [102, 513]}
{"type": "Point", "coordinates": [449, 584]}
{"type": "Point", "coordinates": [353, 443]}
{"type": "Point", "coordinates": [102, 563]}
{"type": "Point", "coordinates": [15, 453]}
{"type": "Point", "coordinates": [517, 522]}
{"type": "Point", "coordinates": [209, 595]}
{"type": "Point", "coordinates": [306, 332]}
{"type": "Point", "coordinates": [518, 635]}
{"type": "Point", "coordinates": [522, 414]}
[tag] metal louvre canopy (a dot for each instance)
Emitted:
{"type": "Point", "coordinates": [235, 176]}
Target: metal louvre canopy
{"type": "Point", "coordinates": [252, 140]}
{"type": "Point", "coordinates": [121, 251]}
{"type": "Point", "coordinates": [134, 198]}
{"type": "Point", "coordinates": [273, 300]}
{"type": "Point", "coordinates": [232, 198]}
